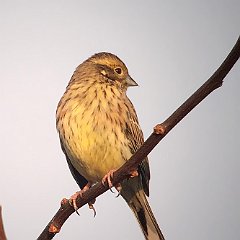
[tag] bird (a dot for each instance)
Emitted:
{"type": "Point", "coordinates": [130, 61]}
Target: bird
{"type": "Point", "coordinates": [99, 131]}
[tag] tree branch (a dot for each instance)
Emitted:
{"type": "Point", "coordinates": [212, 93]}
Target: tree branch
{"type": "Point", "coordinates": [160, 131]}
{"type": "Point", "coordinates": [2, 233]}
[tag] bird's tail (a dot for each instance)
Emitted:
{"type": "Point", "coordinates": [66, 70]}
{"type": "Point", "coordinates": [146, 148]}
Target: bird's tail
{"type": "Point", "coordinates": [142, 211]}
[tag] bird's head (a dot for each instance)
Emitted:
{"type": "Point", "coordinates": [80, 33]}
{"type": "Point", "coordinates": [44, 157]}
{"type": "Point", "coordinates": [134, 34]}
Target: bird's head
{"type": "Point", "coordinates": [111, 69]}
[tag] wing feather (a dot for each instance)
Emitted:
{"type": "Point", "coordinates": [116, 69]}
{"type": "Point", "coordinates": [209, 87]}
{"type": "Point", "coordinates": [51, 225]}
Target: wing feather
{"type": "Point", "coordinates": [135, 136]}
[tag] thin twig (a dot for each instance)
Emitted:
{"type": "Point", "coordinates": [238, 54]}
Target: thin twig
{"type": "Point", "coordinates": [160, 131]}
{"type": "Point", "coordinates": [2, 232]}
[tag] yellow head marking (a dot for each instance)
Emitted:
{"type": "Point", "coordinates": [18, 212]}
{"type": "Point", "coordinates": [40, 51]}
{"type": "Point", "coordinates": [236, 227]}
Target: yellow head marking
{"type": "Point", "coordinates": [103, 72]}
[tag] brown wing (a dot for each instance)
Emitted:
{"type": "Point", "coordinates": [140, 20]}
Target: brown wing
{"type": "Point", "coordinates": [135, 136]}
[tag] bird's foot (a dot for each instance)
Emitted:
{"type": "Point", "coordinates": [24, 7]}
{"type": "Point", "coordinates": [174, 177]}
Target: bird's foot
{"type": "Point", "coordinates": [90, 205]}
{"type": "Point", "coordinates": [119, 189]}
{"type": "Point", "coordinates": [108, 178]}
{"type": "Point", "coordinates": [73, 199]}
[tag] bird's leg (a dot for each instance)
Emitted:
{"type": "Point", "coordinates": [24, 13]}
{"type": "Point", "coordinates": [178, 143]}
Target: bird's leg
{"type": "Point", "coordinates": [73, 198]}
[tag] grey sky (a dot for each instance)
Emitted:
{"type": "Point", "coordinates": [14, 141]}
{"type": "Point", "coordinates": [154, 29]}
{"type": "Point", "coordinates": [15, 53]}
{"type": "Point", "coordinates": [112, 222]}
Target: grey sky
{"type": "Point", "coordinates": [170, 48]}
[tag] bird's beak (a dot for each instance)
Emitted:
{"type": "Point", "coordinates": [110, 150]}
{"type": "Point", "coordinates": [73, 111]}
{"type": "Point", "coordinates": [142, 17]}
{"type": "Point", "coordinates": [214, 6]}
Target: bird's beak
{"type": "Point", "coordinates": [130, 82]}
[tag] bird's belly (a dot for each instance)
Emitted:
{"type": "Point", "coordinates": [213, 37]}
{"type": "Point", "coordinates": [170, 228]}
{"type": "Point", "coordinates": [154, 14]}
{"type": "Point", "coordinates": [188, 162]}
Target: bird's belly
{"type": "Point", "coordinates": [95, 149]}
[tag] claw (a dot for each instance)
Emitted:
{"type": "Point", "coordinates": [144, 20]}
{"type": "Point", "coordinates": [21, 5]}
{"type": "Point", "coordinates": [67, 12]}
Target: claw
{"type": "Point", "coordinates": [108, 178]}
{"type": "Point", "coordinates": [73, 199]}
{"type": "Point", "coordinates": [93, 208]}
{"type": "Point", "coordinates": [90, 205]}
{"type": "Point", "coordinates": [119, 189]}
{"type": "Point", "coordinates": [111, 190]}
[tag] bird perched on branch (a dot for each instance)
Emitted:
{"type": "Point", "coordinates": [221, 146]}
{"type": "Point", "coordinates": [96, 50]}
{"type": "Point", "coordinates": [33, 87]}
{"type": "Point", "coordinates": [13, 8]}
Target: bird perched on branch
{"type": "Point", "coordinates": [99, 132]}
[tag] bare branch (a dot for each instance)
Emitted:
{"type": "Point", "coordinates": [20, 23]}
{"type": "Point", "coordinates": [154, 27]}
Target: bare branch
{"type": "Point", "coordinates": [160, 131]}
{"type": "Point", "coordinates": [2, 233]}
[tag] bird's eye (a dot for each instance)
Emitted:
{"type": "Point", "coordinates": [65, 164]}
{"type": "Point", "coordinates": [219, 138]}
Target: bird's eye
{"type": "Point", "coordinates": [118, 70]}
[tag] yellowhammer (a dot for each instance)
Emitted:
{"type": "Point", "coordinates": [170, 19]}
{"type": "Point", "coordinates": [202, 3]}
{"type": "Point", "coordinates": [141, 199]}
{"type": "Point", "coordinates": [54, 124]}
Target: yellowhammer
{"type": "Point", "coordinates": [99, 132]}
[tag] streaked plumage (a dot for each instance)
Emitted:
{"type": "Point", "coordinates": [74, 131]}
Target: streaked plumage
{"type": "Point", "coordinates": [99, 131]}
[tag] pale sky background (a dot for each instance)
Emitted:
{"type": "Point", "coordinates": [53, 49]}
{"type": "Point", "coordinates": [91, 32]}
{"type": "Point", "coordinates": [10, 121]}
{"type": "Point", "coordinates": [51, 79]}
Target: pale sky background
{"type": "Point", "coordinates": [170, 48]}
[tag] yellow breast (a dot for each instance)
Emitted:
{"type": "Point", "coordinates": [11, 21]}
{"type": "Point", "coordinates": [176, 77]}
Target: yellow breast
{"type": "Point", "coordinates": [92, 131]}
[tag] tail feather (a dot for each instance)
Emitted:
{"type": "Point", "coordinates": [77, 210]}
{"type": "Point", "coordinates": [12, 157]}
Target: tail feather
{"type": "Point", "coordinates": [135, 197]}
{"type": "Point", "coordinates": [145, 217]}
